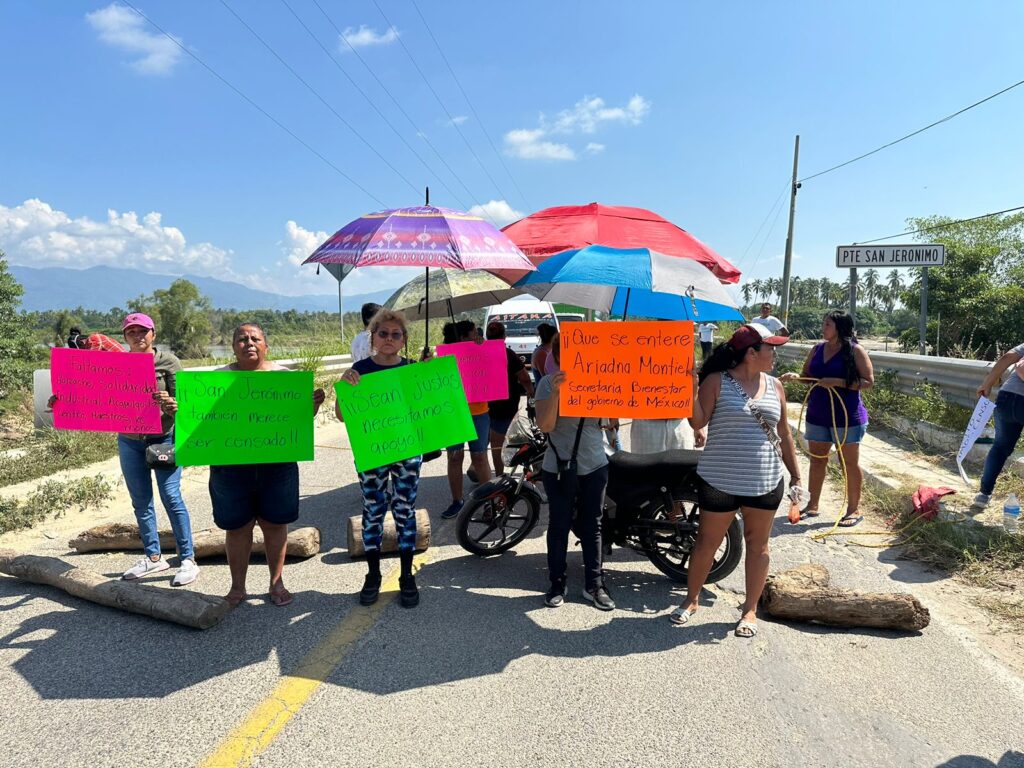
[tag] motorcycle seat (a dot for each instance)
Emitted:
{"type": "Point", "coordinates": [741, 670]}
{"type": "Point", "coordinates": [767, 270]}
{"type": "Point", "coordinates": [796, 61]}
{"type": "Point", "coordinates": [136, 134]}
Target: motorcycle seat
{"type": "Point", "coordinates": [667, 468]}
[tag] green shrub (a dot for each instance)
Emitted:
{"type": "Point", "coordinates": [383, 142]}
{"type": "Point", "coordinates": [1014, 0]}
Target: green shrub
{"type": "Point", "coordinates": [52, 497]}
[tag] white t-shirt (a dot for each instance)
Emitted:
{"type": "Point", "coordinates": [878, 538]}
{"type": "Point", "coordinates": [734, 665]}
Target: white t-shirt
{"type": "Point", "coordinates": [772, 323]}
{"type": "Point", "coordinates": [707, 331]}
{"type": "Point", "coordinates": [361, 346]}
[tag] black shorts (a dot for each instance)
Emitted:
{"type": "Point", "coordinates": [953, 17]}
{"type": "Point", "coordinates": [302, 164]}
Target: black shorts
{"type": "Point", "coordinates": [241, 493]}
{"type": "Point", "coordinates": [713, 500]}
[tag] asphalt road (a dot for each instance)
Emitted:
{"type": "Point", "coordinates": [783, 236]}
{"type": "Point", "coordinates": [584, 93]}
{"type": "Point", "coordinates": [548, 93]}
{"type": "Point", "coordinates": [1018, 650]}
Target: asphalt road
{"type": "Point", "coordinates": [482, 674]}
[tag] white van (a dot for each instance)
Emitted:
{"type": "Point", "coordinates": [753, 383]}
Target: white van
{"type": "Point", "coordinates": [521, 316]}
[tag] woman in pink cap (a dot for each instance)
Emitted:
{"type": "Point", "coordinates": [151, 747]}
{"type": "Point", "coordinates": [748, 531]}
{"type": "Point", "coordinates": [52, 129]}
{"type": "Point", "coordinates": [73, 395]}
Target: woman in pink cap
{"type": "Point", "coordinates": [140, 334]}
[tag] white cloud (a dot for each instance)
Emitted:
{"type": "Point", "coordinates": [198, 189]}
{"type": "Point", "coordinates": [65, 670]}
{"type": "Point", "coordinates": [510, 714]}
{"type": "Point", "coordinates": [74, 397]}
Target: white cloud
{"type": "Point", "coordinates": [366, 36]}
{"type": "Point", "coordinates": [498, 212]}
{"type": "Point", "coordinates": [585, 117]}
{"type": "Point", "coordinates": [122, 28]}
{"type": "Point", "coordinates": [530, 145]}
{"type": "Point", "coordinates": [588, 113]}
{"type": "Point", "coordinates": [459, 119]}
{"type": "Point", "coordinates": [36, 234]}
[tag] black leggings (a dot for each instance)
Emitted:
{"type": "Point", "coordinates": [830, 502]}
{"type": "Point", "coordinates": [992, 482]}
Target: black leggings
{"type": "Point", "coordinates": [583, 494]}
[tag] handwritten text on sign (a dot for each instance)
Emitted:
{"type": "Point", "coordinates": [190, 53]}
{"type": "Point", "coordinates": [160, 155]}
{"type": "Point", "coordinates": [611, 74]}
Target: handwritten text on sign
{"type": "Point", "coordinates": [640, 370]}
{"type": "Point", "coordinates": [243, 417]}
{"type": "Point", "coordinates": [483, 368]}
{"type": "Point", "coordinates": [104, 392]}
{"type": "Point", "coordinates": [401, 413]}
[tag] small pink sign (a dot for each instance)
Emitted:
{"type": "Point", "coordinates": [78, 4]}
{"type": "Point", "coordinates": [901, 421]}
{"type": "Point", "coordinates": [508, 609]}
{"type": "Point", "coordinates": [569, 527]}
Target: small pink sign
{"type": "Point", "coordinates": [104, 392]}
{"type": "Point", "coordinates": [483, 368]}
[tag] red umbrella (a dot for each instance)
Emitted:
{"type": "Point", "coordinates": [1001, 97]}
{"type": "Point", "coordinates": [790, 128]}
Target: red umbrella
{"type": "Point", "coordinates": [568, 227]}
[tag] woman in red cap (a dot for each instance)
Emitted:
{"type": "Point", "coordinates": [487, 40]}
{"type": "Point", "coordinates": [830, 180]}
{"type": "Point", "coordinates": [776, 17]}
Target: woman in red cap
{"type": "Point", "coordinates": [748, 443]}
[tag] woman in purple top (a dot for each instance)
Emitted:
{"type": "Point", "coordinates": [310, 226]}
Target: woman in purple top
{"type": "Point", "coordinates": [839, 363]}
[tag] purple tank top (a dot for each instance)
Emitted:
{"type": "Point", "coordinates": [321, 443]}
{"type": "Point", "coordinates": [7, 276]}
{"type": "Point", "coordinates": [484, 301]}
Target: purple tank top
{"type": "Point", "coordinates": [819, 410]}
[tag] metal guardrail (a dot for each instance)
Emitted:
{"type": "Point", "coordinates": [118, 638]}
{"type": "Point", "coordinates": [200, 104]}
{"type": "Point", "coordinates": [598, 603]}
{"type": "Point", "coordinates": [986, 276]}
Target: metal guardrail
{"type": "Point", "coordinates": [958, 379]}
{"type": "Point", "coordinates": [330, 364]}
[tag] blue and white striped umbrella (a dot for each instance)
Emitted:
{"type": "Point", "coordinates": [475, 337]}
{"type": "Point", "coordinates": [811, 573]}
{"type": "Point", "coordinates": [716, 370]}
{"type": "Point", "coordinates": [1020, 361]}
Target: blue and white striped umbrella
{"type": "Point", "coordinates": [632, 281]}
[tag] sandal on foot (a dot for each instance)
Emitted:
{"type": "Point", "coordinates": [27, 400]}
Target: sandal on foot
{"type": "Point", "coordinates": [236, 599]}
{"type": "Point", "coordinates": [850, 519]}
{"type": "Point", "coordinates": [806, 513]}
{"type": "Point", "coordinates": [281, 597]}
{"type": "Point", "coordinates": [745, 629]}
{"type": "Point", "coordinates": [681, 615]}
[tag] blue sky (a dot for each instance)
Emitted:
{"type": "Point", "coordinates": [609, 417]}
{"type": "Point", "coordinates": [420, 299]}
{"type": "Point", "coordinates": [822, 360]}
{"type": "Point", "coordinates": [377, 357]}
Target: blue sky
{"type": "Point", "coordinates": [120, 149]}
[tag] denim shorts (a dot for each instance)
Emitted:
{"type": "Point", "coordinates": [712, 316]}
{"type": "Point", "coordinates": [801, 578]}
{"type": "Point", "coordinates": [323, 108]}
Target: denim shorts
{"type": "Point", "coordinates": [818, 434]}
{"type": "Point", "coordinates": [483, 437]}
{"type": "Point", "coordinates": [243, 492]}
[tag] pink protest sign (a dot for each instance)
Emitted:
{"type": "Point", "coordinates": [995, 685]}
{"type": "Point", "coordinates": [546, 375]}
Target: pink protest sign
{"type": "Point", "coordinates": [483, 368]}
{"type": "Point", "coordinates": [104, 392]}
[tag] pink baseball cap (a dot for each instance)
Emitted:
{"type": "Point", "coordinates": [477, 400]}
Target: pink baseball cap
{"type": "Point", "coordinates": [137, 318]}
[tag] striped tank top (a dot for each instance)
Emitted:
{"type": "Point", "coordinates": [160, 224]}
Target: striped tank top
{"type": "Point", "coordinates": [738, 458]}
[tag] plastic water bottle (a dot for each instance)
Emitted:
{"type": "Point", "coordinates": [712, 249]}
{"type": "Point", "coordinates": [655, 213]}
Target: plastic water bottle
{"type": "Point", "coordinates": [1011, 513]}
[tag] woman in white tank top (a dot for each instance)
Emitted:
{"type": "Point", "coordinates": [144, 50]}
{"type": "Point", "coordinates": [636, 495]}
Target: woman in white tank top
{"type": "Point", "coordinates": [742, 465]}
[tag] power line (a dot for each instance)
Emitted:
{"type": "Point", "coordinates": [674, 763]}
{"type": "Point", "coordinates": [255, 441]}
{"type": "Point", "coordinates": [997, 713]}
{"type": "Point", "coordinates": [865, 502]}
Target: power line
{"type": "Point", "coordinates": [395, 101]}
{"type": "Point", "coordinates": [764, 221]}
{"type": "Point", "coordinates": [915, 133]}
{"type": "Point", "coordinates": [451, 119]}
{"type": "Point", "coordinates": [768, 234]}
{"type": "Point", "coordinates": [256, 106]}
{"type": "Point", "coordinates": [942, 226]}
{"type": "Point", "coordinates": [311, 89]}
{"type": "Point", "coordinates": [472, 109]}
{"type": "Point", "coordinates": [369, 101]}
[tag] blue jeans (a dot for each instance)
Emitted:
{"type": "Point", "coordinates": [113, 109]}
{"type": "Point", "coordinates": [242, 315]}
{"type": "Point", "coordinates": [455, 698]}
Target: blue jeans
{"type": "Point", "coordinates": [139, 479]}
{"type": "Point", "coordinates": [1009, 423]}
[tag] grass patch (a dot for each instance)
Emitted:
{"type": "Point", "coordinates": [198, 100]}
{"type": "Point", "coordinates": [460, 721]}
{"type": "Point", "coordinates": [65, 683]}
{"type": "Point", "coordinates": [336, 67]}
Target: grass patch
{"type": "Point", "coordinates": [53, 497]}
{"type": "Point", "coordinates": [53, 450]}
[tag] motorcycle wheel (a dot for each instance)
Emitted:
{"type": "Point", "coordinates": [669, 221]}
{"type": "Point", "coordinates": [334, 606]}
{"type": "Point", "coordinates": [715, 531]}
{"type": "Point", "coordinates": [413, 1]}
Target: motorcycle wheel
{"type": "Point", "coordinates": [495, 525]}
{"type": "Point", "coordinates": [671, 559]}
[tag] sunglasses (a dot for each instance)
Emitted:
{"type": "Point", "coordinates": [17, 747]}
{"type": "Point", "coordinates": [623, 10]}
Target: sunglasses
{"type": "Point", "coordinates": [396, 336]}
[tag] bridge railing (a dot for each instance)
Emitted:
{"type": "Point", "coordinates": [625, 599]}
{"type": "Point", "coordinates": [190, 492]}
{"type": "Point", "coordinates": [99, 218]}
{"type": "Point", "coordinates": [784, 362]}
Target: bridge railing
{"type": "Point", "coordinates": [958, 379]}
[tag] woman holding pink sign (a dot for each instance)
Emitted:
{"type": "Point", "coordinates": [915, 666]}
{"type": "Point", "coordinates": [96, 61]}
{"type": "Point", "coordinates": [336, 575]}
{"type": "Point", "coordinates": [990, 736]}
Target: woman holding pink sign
{"type": "Point", "coordinates": [388, 335]}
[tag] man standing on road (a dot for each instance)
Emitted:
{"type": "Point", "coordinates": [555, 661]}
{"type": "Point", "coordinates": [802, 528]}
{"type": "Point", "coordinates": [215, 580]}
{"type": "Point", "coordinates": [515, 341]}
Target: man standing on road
{"type": "Point", "coordinates": [504, 411]}
{"type": "Point", "coordinates": [707, 338]}
{"type": "Point", "coordinates": [770, 321]}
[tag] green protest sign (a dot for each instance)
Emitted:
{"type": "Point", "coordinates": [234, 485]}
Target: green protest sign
{"type": "Point", "coordinates": [243, 417]}
{"type": "Point", "coordinates": [401, 413]}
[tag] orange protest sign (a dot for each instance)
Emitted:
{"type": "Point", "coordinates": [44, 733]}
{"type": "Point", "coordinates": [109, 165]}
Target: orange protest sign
{"type": "Point", "coordinates": [640, 370]}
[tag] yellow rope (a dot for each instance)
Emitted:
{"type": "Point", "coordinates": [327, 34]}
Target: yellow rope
{"type": "Point", "coordinates": [834, 530]}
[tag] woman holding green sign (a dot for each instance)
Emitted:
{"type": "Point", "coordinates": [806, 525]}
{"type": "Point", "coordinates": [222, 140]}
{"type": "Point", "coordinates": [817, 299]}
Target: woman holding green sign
{"type": "Point", "coordinates": [388, 334]}
{"type": "Point", "coordinates": [246, 495]}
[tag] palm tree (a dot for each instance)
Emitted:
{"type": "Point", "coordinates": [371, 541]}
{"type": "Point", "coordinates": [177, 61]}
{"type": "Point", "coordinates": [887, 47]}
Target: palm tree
{"type": "Point", "coordinates": [746, 290]}
{"type": "Point", "coordinates": [871, 287]}
{"type": "Point", "coordinates": [895, 285]}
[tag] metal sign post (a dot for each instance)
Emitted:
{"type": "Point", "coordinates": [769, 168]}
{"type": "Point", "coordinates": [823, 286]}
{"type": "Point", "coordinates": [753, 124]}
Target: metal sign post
{"type": "Point", "coordinates": [921, 255]}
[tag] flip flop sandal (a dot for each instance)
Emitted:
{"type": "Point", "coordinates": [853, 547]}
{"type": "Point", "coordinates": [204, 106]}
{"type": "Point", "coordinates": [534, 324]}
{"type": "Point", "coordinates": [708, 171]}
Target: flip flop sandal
{"type": "Point", "coordinates": [681, 615]}
{"type": "Point", "coordinates": [806, 513]}
{"type": "Point", "coordinates": [281, 597]}
{"type": "Point", "coordinates": [850, 519]}
{"type": "Point", "coordinates": [746, 629]}
{"type": "Point", "coordinates": [236, 601]}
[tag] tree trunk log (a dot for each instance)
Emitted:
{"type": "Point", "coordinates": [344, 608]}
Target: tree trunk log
{"type": "Point", "coordinates": [389, 542]}
{"type": "Point", "coordinates": [804, 594]}
{"type": "Point", "coordinates": [191, 609]}
{"type": "Point", "coordinates": [302, 542]}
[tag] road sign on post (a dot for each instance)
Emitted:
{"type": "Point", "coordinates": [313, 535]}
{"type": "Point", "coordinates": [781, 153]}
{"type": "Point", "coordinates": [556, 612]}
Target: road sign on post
{"type": "Point", "coordinates": [922, 255]}
{"type": "Point", "coordinates": [914, 255]}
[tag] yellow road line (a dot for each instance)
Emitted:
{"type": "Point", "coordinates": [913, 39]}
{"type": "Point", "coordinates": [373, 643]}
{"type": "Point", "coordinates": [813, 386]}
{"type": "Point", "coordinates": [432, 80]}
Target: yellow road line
{"type": "Point", "coordinates": [256, 732]}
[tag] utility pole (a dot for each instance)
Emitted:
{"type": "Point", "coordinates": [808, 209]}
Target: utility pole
{"type": "Point", "coordinates": [788, 263]}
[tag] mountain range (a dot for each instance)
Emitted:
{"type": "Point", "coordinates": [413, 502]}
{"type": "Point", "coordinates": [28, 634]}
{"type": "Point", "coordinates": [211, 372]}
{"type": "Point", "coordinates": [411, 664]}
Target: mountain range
{"type": "Point", "coordinates": [101, 288]}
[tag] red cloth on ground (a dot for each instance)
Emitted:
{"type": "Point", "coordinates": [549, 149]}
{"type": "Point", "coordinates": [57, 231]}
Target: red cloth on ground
{"type": "Point", "coordinates": [926, 500]}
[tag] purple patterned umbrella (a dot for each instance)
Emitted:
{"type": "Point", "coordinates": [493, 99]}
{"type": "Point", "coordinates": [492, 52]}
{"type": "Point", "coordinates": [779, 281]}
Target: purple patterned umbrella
{"type": "Point", "coordinates": [425, 236]}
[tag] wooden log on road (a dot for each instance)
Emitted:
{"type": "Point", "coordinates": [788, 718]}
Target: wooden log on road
{"type": "Point", "coordinates": [389, 542]}
{"type": "Point", "coordinates": [190, 609]}
{"type": "Point", "coordinates": [302, 542]}
{"type": "Point", "coordinates": [804, 594]}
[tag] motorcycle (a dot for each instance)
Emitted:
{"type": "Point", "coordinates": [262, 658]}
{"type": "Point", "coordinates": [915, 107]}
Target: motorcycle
{"type": "Point", "coordinates": [640, 510]}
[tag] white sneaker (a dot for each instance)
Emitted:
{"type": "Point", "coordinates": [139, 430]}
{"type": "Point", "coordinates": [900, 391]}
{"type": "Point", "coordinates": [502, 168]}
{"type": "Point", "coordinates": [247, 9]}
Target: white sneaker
{"type": "Point", "coordinates": [188, 572]}
{"type": "Point", "coordinates": [144, 567]}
